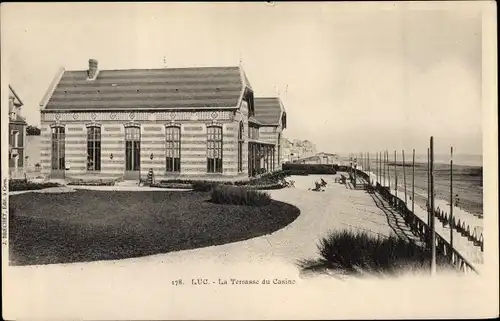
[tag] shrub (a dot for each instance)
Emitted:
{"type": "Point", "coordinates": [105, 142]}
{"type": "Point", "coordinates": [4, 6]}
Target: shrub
{"type": "Point", "coordinates": [360, 252]}
{"type": "Point", "coordinates": [238, 195]}
{"type": "Point", "coordinates": [203, 186]}
{"type": "Point", "coordinates": [272, 178]}
{"type": "Point", "coordinates": [95, 182]}
{"type": "Point", "coordinates": [172, 185]}
{"type": "Point", "coordinates": [24, 185]}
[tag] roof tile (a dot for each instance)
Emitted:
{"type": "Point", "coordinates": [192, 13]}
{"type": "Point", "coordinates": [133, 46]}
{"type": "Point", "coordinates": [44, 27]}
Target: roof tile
{"type": "Point", "coordinates": [268, 110]}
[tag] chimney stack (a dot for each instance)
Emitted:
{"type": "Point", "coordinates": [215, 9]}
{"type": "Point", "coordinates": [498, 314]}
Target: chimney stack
{"type": "Point", "coordinates": [92, 72]}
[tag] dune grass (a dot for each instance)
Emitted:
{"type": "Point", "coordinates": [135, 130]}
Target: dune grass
{"type": "Point", "coordinates": [359, 253]}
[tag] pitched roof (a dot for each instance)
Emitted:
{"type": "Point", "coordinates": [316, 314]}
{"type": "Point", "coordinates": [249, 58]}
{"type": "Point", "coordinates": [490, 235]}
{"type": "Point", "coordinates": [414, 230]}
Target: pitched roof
{"type": "Point", "coordinates": [268, 110]}
{"type": "Point", "coordinates": [203, 87]}
{"type": "Point", "coordinates": [15, 95]}
{"type": "Point", "coordinates": [254, 120]}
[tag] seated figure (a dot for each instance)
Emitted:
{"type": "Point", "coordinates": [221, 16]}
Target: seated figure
{"type": "Point", "coordinates": [318, 186]}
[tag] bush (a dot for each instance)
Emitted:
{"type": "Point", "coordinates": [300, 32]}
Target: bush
{"type": "Point", "coordinates": [87, 182]}
{"type": "Point", "coordinates": [238, 195]}
{"type": "Point", "coordinates": [360, 252]}
{"type": "Point", "coordinates": [203, 186]}
{"type": "Point", "coordinates": [273, 178]}
{"type": "Point", "coordinates": [172, 185]}
{"type": "Point", "coordinates": [24, 185]}
{"type": "Point", "coordinates": [305, 169]}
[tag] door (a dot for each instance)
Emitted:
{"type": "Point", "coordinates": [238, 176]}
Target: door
{"type": "Point", "coordinates": [132, 152]}
{"type": "Point", "coordinates": [58, 151]}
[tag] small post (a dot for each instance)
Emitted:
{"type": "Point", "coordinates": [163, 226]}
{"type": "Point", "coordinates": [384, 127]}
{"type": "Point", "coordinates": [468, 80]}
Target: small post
{"type": "Point", "coordinates": [369, 172]}
{"type": "Point", "coordinates": [433, 230]}
{"type": "Point", "coordinates": [386, 176]}
{"type": "Point", "coordinates": [395, 176]}
{"type": "Point", "coordinates": [388, 170]}
{"type": "Point", "coordinates": [413, 186]}
{"type": "Point", "coordinates": [428, 188]}
{"type": "Point", "coordinates": [451, 205]}
{"type": "Point", "coordinates": [404, 176]}
{"type": "Point", "coordinates": [377, 167]}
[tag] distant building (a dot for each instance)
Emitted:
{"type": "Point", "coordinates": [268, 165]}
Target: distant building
{"type": "Point", "coordinates": [301, 149]}
{"type": "Point", "coordinates": [17, 135]}
{"type": "Point", "coordinates": [328, 158]}
{"type": "Point", "coordinates": [179, 122]}
{"type": "Point", "coordinates": [286, 150]}
{"type": "Point", "coordinates": [320, 158]}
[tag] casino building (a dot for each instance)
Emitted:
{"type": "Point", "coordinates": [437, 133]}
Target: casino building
{"type": "Point", "coordinates": [195, 123]}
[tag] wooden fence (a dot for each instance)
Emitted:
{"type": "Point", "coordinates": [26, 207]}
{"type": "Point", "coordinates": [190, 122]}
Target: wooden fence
{"type": "Point", "coordinates": [421, 228]}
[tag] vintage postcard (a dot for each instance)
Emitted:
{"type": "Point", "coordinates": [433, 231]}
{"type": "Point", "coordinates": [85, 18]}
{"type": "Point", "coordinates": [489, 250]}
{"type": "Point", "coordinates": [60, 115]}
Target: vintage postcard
{"type": "Point", "coordinates": [261, 160]}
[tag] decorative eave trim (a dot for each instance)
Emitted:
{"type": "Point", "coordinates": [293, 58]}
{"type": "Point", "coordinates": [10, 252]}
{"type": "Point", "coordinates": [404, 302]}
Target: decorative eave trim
{"type": "Point", "coordinates": [51, 88]}
{"type": "Point", "coordinates": [269, 125]}
{"type": "Point", "coordinates": [18, 122]}
{"type": "Point", "coordinates": [262, 142]}
{"type": "Point", "coordinates": [159, 109]}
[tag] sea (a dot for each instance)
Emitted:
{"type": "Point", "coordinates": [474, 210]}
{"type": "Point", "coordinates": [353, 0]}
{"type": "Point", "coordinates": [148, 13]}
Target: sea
{"type": "Point", "coordinates": [467, 178]}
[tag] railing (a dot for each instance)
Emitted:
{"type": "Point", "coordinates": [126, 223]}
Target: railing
{"type": "Point", "coordinates": [421, 229]}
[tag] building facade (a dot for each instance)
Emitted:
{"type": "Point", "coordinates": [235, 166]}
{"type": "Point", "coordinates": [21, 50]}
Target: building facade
{"type": "Point", "coordinates": [17, 136]}
{"type": "Point", "coordinates": [320, 158]}
{"type": "Point", "coordinates": [328, 158]}
{"type": "Point", "coordinates": [178, 122]}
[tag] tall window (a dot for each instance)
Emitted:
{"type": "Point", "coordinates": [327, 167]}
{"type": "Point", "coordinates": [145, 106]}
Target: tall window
{"type": "Point", "coordinates": [93, 148]}
{"type": "Point", "coordinates": [240, 148]}
{"type": "Point", "coordinates": [58, 139]}
{"type": "Point", "coordinates": [15, 135]}
{"type": "Point", "coordinates": [173, 148]}
{"type": "Point", "coordinates": [214, 149]}
{"type": "Point", "coordinates": [132, 148]}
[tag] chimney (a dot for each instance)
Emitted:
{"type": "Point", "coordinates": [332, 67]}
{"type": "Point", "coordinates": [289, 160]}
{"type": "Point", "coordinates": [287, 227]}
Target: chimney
{"type": "Point", "coordinates": [92, 72]}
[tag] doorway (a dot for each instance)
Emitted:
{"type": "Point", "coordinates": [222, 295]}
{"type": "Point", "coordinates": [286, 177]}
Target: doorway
{"type": "Point", "coordinates": [132, 152]}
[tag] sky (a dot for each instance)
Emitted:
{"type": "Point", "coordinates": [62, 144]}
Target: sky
{"type": "Point", "coordinates": [352, 77]}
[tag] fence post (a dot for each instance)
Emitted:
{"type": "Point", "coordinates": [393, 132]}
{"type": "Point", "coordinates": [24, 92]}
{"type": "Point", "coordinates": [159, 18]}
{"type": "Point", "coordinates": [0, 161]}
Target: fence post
{"type": "Point", "coordinates": [451, 197]}
{"type": "Point", "coordinates": [428, 189]}
{"type": "Point", "coordinates": [413, 186]}
{"type": "Point", "coordinates": [404, 177]}
{"type": "Point", "coordinates": [433, 230]}
{"type": "Point", "coordinates": [388, 171]}
{"type": "Point", "coordinates": [395, 176]}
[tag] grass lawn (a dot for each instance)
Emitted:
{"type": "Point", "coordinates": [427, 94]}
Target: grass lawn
{"type": "Point", "coordinates": [104, 225]}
